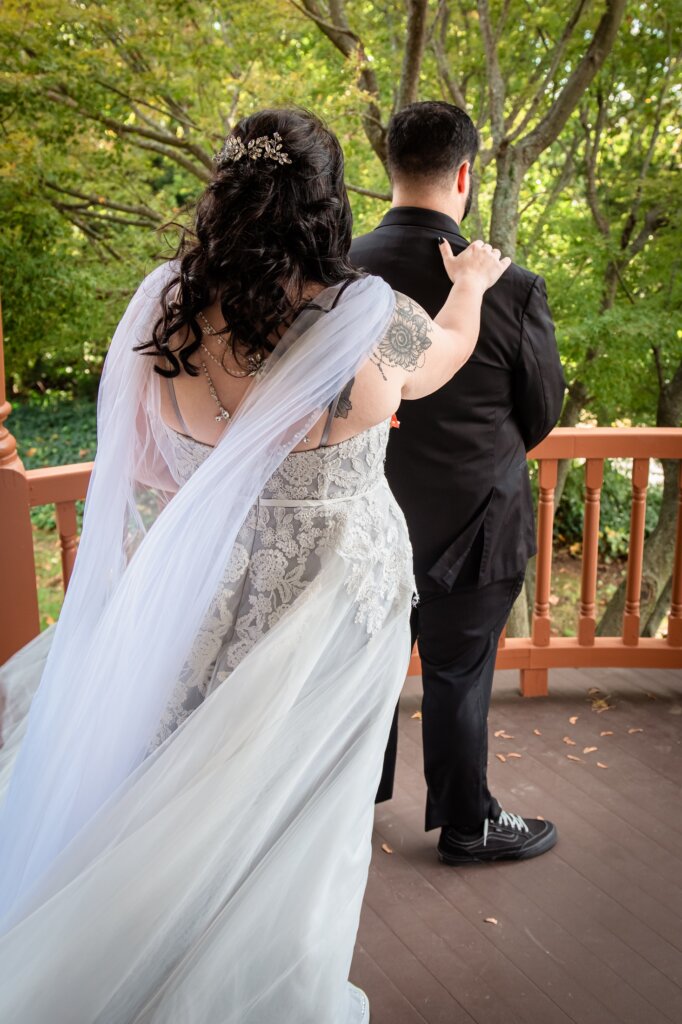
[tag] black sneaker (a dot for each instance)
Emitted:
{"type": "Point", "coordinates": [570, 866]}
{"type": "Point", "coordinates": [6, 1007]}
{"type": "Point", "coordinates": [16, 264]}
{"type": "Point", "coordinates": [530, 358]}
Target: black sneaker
{"type": "Point", "coordinates": [507, 837]}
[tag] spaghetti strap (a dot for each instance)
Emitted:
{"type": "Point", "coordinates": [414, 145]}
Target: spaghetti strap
{"type": "Point", "coordinates": [330, 419]}
{"type": "Point", "coordinates": [176, 407]}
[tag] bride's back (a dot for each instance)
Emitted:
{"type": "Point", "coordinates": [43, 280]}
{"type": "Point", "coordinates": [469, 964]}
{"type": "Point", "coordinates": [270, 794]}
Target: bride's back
{"type": "Point", "coordinates": [272, 235]}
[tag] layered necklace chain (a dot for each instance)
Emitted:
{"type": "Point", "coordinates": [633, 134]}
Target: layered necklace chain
{"type": "Point", "coordinates": [255, 363]}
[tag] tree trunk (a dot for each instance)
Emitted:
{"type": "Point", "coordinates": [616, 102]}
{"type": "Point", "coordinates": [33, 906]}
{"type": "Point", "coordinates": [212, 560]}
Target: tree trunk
{"type": "Point", "coordinates": [504, 220]}
{"type": "Point", "coordinates": [660, 611]}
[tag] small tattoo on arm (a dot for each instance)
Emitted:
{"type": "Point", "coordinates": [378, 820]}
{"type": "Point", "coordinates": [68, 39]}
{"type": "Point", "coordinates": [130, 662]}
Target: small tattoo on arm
{"type": "Point", "coordinates": [345, 405]}
{"type": "Point", "coordinates": [406, 339]}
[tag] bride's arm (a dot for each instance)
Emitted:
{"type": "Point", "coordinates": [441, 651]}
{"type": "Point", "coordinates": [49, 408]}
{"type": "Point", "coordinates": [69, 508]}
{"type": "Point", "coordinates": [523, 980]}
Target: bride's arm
{"type": "Point", "coordinates": [434, 350]}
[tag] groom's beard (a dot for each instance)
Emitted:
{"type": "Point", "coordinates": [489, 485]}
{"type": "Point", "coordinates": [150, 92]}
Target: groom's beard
{"type": "Point", "coordinates": [470, 196]}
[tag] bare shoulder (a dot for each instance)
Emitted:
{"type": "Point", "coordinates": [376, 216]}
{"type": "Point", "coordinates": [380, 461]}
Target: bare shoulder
{"type": "Point", "coordinates": [407, 337]}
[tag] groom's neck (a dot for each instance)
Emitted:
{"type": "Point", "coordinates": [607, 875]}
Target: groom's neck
{"type": "Point", "coordinates": [425, 198]}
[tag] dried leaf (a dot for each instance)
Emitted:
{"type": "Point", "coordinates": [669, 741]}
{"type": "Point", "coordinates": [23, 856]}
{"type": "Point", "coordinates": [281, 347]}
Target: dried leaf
{"type": "Point", "coordinates": [506, 736]}
{"type": "Point", "coordinates": [651, 696]}
{"type": "Point", "coordinates": [490, 920]}
{"type": "Point", "coordinates": [537, 732]}
{"type": "Point", "coordinates": [573, 719]}
{"type": "Point", "coordinates": [593, 691]}
{"type": "Point", "coordinates": [631, 731]}
{"type": "Point", "coordinates": [386, 848]}
{"type": "Point", "coordinates": [539, 817]}
{"type": "Point", "coordinates": [514, 755]}
{"type": "Point", "coordinates": [589, 750]}
{"type": "Point", "coordinates": [601, 705]}
{"type": "Point", "coordinates": [553, 599]}
{"type": "Point", "coordinates": [417, 715]}
{"type": "Point", "coordinates": [500, 757]}
{"type": "Point", "coordinates": [600, 765]}
{"type": "Point", "coordinates": [572, 757]}
{"type": "Point", "coordinates": [500, 732]}
{"type": "Point", "coordinates": [569, 741]}
{"type": "Point", "coordinates": [606, 732]}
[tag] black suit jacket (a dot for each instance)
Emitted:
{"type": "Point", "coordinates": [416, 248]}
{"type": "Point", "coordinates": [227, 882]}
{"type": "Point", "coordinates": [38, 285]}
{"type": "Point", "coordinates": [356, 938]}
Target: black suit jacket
{"type": "Point", "coordinates": [457, 463]}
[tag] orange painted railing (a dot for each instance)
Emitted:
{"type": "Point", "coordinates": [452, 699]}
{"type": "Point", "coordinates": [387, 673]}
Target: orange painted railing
{"type": "Point", "coordinates": [22, 490]}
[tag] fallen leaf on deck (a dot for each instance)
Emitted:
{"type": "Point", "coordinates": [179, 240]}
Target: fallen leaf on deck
{"type": "Point", "coordinates": [593, 691]}
{"type": "Point", "coordinates": [417, 714]}
{"type": "Point", "coordinates": [500, 732]}
{"type": "Point", "coordinates": [600, 765]}
{"type": "Point", "coordinates": [589, 750]}
{"type": "Point", "coordinates": [537, 732]}
{"type": "Point", "coordinates": [569, 741]}
{"type": "Point", "coordinates": [539, 817]}
{"type": "Point", "coordinates": [514, 755]}
{"type": "Point", "coordinates": [506, 736]}
{"type": "Point", "coordinates": [572, 757]}
{"type": "Point", "coordinates": [553, 599]}
{"type": "Point", "coordinates": [606, 732]}
{"type": "Point", "coordinates": [635, 730]}
{"type": "Point", "coordinates": [490, 920]}
{"type": "Point", "coordinates": [500, 757]}
{"type": "Point", "coordinates": [651, 696]}
{"type": "Point", "coordinates": [386, 848]}
{"type": "Point", "coordinates": [573, 719]}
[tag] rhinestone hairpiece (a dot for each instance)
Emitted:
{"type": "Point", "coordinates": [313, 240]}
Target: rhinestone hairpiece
{"type": "Point", "coordinates": [265, 147]}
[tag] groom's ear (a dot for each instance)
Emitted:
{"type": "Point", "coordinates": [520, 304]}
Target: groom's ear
{"type": "Point", "coordinates": [462, 175]}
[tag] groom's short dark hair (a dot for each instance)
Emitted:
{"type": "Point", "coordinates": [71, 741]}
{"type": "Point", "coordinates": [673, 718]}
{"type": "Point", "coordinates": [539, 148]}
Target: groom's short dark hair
{"type": "Point", "coordinates": [430, 140]}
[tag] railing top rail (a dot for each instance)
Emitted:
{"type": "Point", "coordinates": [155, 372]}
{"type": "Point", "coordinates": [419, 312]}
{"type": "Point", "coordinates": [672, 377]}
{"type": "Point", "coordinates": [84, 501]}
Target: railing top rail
{"type": "Point", "coordinates": [58, 483]}
{"type": "Point", "coordinates": [610, 443]}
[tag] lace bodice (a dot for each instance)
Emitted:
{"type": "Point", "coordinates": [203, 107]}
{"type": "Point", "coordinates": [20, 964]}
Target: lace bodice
{"type": "Point", "coordinates": [339, 470]}
{"type": "Point", "coordinates": [320, 505]}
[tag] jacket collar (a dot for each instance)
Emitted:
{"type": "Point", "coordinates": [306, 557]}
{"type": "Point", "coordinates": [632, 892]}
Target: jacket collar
{"type": "Point", "coordinates": [416, 216]}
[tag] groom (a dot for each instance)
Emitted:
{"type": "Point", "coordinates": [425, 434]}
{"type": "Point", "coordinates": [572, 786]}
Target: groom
{"type": "Point", "coordinates": [457, 466]}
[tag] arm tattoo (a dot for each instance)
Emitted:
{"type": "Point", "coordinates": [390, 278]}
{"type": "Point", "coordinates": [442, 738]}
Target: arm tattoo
{"type": "Point", "coordinates": [345, 405]}
{"type": "Point", "coordinates": [406, 338]}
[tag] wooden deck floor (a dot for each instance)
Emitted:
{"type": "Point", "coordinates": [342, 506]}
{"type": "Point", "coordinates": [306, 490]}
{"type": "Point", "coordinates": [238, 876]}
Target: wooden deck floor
{"type": "Point", "coordinates": [589, 933]}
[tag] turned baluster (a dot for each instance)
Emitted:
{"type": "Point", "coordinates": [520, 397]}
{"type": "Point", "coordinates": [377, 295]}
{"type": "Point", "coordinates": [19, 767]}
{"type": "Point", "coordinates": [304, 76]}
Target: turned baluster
{"type": "Point", "coordinates": [633, 588]}
{"type": "Point", "coordinates": [534, 680]}
{"type": "Point", "coordinates": [594, 478]}
{"type": "Point", "coordinates": [675, 620]}
{"type": "Point", "coordinates": [68, 537]}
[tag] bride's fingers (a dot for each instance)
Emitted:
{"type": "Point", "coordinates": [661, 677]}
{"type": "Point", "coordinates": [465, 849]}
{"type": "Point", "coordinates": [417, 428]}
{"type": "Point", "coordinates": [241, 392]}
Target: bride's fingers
{"type": "Point", "coordinates": [445, 249]}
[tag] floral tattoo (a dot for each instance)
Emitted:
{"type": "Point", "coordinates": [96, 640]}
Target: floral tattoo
{"type": "Point", "coordinates": [345, 405]}
{"type": "Point", "coordinates": [406, 339]}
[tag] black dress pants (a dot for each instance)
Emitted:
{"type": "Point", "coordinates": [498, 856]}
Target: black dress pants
{"type": "Point", "coordinates": [458, 634]}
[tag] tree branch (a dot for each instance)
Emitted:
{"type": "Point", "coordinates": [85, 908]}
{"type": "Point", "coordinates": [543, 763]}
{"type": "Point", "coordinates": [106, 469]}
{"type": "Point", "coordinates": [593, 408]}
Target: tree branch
{"type": "Point", "coordinates": [438, 47]}
{"type": "Point", "coordinates": [554, 120]}
{"type": "Point", "coordinates": [350, 45]}
{"type": "Point", "coordinates": [413, 52]}
{"type": "Point", "coordinates": [109, 204]}
{"type": "Point", "coordinates": [591, 154]}
{"type": "Point", "coordinates": [385, 196]}
{"type": "Point", "coordinates": [549, 76]}
{"type": "Point", "coordinates": [495, 81]}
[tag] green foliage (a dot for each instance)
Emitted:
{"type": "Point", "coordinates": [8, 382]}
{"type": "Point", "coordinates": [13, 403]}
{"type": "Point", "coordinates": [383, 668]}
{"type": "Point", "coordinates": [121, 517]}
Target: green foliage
{"type": "Point", "coordinates": [112, 111]}
{"type": "Point", "coordinates": [54, 431]}
{"type": "Point", "coordinates": [616, 500]}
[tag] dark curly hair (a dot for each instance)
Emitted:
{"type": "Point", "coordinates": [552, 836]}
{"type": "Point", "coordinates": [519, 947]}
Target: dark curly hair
{"type": "Point", "coordinates": [263, 230]}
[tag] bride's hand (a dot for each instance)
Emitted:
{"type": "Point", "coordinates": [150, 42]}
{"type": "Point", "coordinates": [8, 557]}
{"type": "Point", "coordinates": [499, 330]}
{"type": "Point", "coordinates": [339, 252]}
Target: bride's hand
{"type": "Point", "coordinates": [479, 262]}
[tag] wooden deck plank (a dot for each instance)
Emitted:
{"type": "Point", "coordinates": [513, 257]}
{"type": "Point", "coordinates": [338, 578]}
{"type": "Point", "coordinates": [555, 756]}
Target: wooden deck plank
{"type": "Point", "coordinates": [588, 933]}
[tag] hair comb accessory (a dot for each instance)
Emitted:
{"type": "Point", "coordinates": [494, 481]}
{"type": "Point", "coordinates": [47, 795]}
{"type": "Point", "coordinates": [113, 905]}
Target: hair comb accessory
{"type": "Point", "coordinates": [265, 147]}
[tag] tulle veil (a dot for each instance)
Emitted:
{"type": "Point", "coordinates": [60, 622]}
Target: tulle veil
{"type": "Point", "coordinates": [77, 779]}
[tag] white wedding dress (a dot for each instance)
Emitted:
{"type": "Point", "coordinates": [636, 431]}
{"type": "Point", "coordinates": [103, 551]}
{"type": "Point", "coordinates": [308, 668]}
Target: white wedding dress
{"type": "Point", "coordinates": [221, 881]}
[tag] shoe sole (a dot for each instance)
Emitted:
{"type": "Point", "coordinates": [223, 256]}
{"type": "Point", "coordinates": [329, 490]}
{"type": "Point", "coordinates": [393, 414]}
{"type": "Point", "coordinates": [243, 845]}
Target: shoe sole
{"type": "Point", "coordinates": [453, 859]}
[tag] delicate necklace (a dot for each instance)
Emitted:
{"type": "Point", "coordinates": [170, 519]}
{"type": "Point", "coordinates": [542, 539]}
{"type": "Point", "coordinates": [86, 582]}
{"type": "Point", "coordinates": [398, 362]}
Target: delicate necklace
{"type": "Point", "coordinates": [255, 362]}
{"type": "Point", "coordinates": [223, 414]}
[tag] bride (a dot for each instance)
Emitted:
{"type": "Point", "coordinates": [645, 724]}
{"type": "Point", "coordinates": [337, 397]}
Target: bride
{"type": "Point", "coordinates": [188, 793]}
